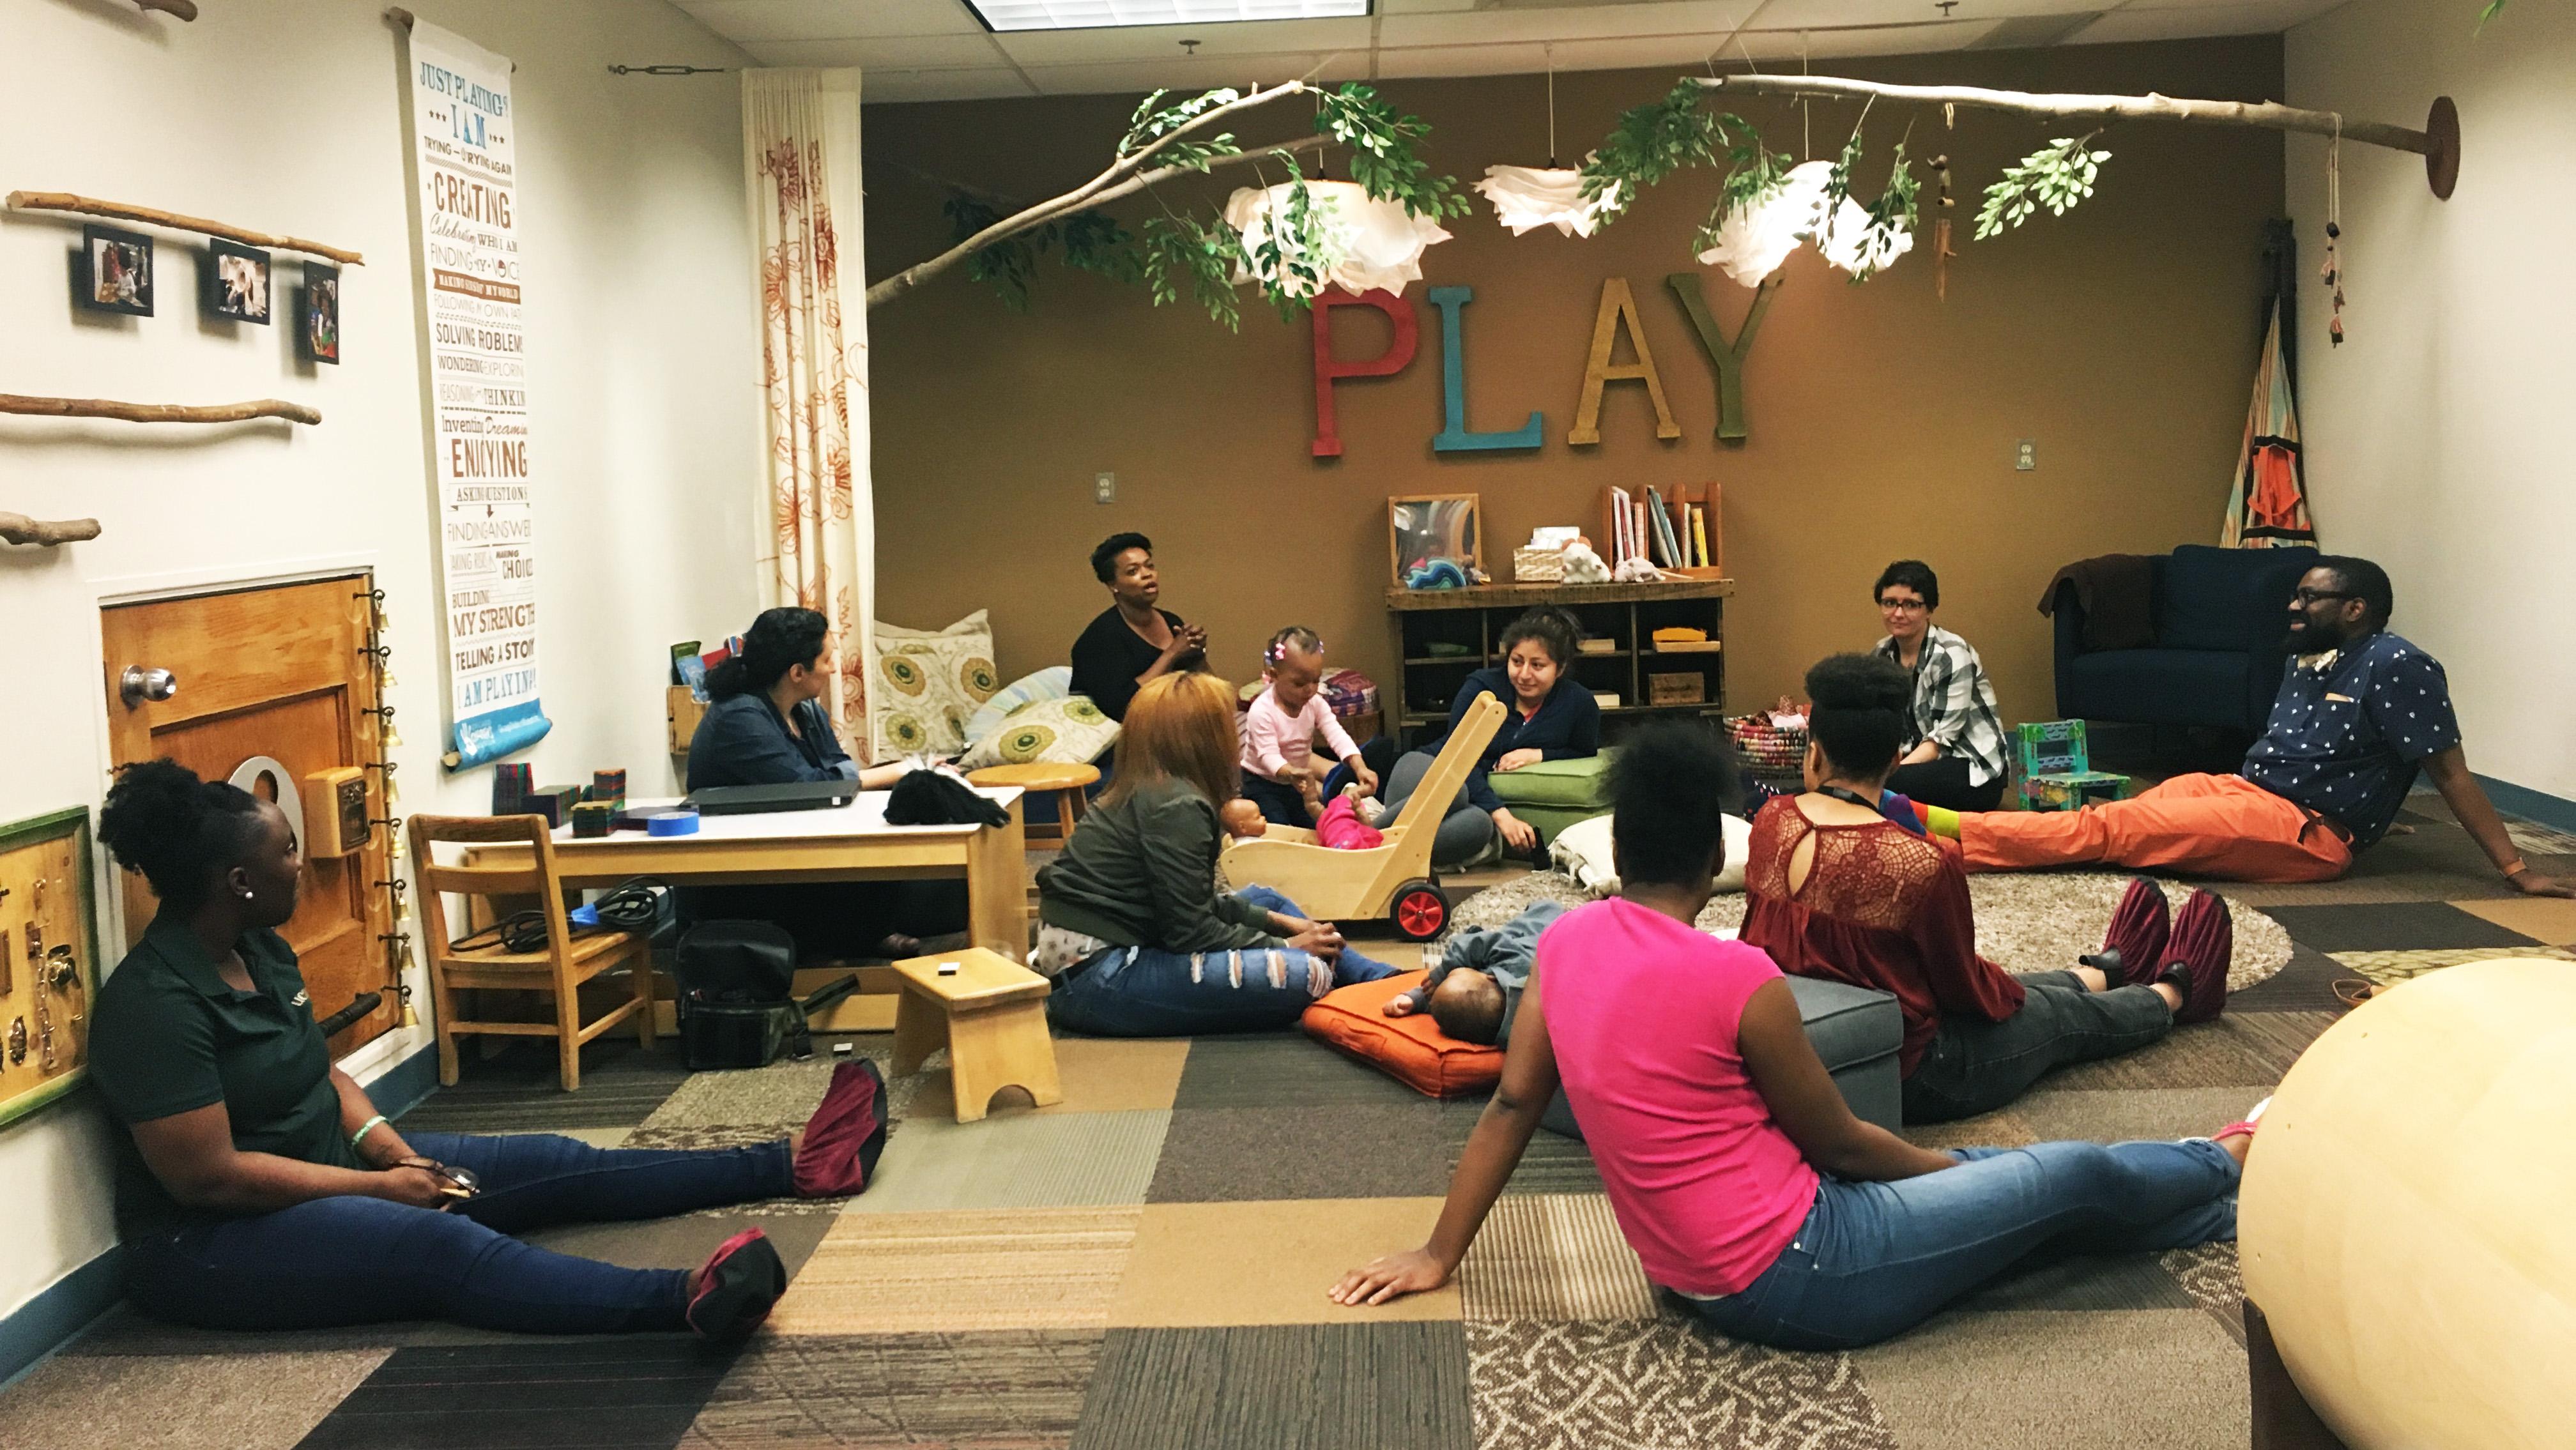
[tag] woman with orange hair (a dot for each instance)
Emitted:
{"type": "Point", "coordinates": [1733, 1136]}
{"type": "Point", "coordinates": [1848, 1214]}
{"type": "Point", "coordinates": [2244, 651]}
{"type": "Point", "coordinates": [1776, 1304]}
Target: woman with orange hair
{"type": "Point", "coordinates": [1131, 923]}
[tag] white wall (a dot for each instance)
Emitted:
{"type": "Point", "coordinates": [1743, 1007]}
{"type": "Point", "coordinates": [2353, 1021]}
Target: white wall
{"type": "Point", "coordinates": [2439, 434]}
{"type": "Point", "coordinates": [286, 115]}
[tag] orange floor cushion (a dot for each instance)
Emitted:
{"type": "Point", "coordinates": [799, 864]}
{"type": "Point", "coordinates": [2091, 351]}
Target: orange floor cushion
{"type": "Point", "coordinates": [1410, 1048]}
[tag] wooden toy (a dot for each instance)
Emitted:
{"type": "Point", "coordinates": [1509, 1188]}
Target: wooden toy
{"type": "Point", "coordinates": [1393, 879]}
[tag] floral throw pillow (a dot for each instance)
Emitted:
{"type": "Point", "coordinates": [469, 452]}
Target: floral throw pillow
{"type": "Point", "coordinates": [928, 682]}
{"type": "Point", "coordinates": [1070, 731]}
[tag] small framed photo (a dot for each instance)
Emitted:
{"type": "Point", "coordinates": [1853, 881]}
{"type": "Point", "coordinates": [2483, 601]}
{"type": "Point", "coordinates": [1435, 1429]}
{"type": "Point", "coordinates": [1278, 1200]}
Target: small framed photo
{"type": "Point", "coordinates": [320, 313]}
{"type": "Point", "coordinates": [1429, 527]}
{"type": "Point", "coordinates": [237, 282]}
{"type": "Point", "coordinates": [116, 271]}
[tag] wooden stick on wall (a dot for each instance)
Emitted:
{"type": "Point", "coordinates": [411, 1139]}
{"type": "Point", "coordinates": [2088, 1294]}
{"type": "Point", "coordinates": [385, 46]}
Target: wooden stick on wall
{"type": "Point", "coordinates": [20, 529]}
{"type": "Point", "coordinates": [64, 201]}
{"type": "Point", "coordinates": [158, 412]}
{"type": "Point", "coordinates": [184, 9]}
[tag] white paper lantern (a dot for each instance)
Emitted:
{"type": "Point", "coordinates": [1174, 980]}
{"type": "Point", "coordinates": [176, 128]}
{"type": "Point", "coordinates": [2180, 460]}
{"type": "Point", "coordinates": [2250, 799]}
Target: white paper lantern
{"type": "Point", "coordinates": [1526, 197]}
{"type": "Point", "coordinates": [1373, 243]}
{"type": "Point", "coordinates": [1756, 239]}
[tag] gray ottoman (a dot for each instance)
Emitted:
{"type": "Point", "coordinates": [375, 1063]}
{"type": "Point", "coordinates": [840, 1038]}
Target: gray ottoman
{"type": "Point", "coordinates": [1856, 1030]}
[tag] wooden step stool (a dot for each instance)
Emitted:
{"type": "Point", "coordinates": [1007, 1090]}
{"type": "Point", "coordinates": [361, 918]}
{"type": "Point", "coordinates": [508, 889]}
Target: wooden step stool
{"type": "Point", "coordinates": [990, 1015]}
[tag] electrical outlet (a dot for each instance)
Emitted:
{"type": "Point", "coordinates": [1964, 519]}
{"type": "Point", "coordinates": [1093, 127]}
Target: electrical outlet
{"type": "Point", "coordinates": [2026, 455]}
{"type": "Point", "coordinates": [1104, 488]}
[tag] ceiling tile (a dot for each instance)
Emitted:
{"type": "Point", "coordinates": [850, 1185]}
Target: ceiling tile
{"type": "Point", "coordinates": [748, 20]}
{"type": "Point", "coordinates": [1462, 60]}
{"type": "Point", "coordinates": [1710, 18]}
{"type": "Point", "coordinates": [1162, 42]}
{"type": "Point", "coordinates": [2176, 22]}
{"type": "Point", "coordinates": [926, 52]}
{"type": "Point", "coordinates": [1138, 77]}
{"type": "Point", "coordinates": [1821, 14]}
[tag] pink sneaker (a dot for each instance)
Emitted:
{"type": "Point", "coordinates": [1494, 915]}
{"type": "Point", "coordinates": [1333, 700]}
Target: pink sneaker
{"type": "Point", "coordinates": [2243, 1127]}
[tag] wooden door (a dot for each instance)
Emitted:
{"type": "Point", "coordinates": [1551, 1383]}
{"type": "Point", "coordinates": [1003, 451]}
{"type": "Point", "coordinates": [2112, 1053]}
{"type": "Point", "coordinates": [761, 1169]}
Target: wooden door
{"type": "Point", "coordinates": [274, 673]}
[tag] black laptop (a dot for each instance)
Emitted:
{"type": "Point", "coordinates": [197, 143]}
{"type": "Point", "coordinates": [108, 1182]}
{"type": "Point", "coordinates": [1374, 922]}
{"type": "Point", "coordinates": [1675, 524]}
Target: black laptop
{"type": "Point", "coordinates": [794, 795]}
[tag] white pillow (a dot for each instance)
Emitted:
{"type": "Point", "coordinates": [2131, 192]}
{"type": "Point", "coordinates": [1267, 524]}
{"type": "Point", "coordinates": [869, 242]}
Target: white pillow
{"type": "Point", "coordinates": [1052, 683]}
{"type": "Point", "coordinates": [926, 683]}
{"type": "Point", "coordinates": [1582, 851]}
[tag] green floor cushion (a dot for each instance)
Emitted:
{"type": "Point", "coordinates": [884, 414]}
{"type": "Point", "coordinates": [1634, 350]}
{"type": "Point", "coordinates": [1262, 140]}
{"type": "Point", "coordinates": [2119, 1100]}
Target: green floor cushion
{"type": "Point", "coordinates": [1555, 794]}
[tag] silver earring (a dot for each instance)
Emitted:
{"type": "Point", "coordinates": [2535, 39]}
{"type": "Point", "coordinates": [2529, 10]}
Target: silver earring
{"type": "Point", "coordinates": [246, 896]}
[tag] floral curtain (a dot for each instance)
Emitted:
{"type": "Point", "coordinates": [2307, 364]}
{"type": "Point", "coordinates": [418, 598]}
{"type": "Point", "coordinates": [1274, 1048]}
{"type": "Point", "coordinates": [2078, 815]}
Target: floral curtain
{"type": "Point", "coordinates": [801, 161]}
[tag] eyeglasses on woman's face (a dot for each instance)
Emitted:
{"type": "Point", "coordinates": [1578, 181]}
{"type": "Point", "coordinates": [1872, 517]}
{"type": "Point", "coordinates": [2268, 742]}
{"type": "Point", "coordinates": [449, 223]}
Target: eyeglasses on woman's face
{"type": "Point", "coordinates": [1893, 605]}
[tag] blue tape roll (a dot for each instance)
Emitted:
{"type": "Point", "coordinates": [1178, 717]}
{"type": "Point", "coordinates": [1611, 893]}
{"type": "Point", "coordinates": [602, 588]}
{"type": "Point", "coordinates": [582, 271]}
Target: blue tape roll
{"type": "Point", "coordinates": [682, 822]}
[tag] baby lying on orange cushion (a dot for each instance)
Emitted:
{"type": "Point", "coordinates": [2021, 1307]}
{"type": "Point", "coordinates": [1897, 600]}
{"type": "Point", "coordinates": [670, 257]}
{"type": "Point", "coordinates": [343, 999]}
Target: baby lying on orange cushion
{"type": "Point", "coordinates": [1476, 990]}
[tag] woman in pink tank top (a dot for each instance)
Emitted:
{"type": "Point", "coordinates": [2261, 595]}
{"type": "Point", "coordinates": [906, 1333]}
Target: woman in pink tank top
{"type": "Point", "coordinates": [1735, 1169]}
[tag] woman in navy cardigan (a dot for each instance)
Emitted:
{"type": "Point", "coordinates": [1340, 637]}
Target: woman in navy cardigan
{"type": "Point", "coordinates": [1552, 717]}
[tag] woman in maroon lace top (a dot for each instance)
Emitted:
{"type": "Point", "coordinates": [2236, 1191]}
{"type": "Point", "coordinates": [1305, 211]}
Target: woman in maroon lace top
{"type": "Point", "coordinates": [1835, 890]}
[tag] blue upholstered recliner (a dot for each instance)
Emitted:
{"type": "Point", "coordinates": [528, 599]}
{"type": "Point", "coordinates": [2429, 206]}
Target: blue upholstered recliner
{"type": "Point", "coordinates": [2220, 616]}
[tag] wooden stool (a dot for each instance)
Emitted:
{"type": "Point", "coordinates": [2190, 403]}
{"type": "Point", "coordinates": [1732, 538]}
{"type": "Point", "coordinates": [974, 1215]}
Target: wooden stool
{"type": "Point", "coordinates": [990, 1015]}
{"type": "Point", "coordinates": [1065, 782]}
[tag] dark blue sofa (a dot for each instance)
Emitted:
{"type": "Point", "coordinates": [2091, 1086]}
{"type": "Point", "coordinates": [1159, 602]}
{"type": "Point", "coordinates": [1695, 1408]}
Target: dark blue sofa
{"type": "Point", "coordinates": [2220, 618]}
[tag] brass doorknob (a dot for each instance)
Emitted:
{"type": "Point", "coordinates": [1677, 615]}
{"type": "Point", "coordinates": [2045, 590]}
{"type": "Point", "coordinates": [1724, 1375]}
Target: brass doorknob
{"type": "Point", "coordinates": [140, 683]}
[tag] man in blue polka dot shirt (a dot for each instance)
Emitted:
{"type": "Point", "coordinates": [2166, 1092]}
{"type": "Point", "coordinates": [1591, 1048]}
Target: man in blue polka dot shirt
{"type": "Point", "coordinates": [2360, 711]}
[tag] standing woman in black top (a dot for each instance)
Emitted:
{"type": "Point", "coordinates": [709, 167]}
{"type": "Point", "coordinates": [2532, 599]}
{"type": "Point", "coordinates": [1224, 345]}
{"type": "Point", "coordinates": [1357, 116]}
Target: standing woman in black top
{"type": "Point", "coordinates": [767, 727]}
{"type": "Point", "coordinates": [1133, 640]}
{"type": "Point", "coordinates": [257, 1187]}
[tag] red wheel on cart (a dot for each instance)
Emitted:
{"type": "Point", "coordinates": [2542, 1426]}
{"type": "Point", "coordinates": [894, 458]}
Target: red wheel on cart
{"type": "Point", "coordinates": [1419, 911]}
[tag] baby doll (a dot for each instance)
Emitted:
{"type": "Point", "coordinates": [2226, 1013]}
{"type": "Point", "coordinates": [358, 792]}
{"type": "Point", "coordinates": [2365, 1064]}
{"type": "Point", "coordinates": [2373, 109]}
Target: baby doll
{"type": "Point", "coordinates": [1242, 820]}
{"type": "Point", "coordinates": [1281, 773]}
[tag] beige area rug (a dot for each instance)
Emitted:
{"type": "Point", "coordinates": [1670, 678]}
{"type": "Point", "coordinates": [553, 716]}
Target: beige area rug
{"type": "Point", "coordinates": [2031, 922]}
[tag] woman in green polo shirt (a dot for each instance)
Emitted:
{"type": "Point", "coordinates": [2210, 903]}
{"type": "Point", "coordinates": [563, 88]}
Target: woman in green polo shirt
{"type": "Point", "coordinates": [258, 1188]}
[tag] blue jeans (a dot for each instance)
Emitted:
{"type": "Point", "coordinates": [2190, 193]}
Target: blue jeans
{"type": "Point", "coordinates": [351, 1260]}
{"type": "Point", "coordinates": [1874, 1259]}
{"type": "Point", "coordinates": [1150, 992]}
{"type": "Point", "coordinates": [1280, 805]}
{"type": "Point", "coordinates": [1974, 1066]}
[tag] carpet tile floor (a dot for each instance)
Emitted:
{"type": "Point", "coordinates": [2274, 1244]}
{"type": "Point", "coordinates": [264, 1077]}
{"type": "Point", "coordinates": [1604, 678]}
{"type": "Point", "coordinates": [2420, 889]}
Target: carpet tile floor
{"type": "Point", "coordinates": [1144, 1264]}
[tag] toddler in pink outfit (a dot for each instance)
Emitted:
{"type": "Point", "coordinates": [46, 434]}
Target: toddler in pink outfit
{"type": "Point", "coordinates": [1281, 772]}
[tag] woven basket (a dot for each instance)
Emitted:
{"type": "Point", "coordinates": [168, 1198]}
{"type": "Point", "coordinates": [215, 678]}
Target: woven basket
{"type": "Point", "coordinates": [1771, 755]}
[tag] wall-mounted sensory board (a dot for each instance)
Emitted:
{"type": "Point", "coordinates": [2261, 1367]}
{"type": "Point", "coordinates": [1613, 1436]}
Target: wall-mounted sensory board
{"type": "Point", "coordinates": [48, 959]}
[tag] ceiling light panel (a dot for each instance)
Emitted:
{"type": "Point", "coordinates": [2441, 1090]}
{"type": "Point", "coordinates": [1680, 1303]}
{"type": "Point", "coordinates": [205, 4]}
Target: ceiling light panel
{"type": "Point", "coordinates": [1015, 15]}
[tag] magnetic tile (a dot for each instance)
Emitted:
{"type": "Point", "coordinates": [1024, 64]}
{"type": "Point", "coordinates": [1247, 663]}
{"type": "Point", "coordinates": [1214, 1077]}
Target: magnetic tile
{"type": "Point", "coordinates": [2390, 968]}
{"type": "Point", "coordinates": [1269, 1263]}
{"type": "Point", "coordinates": [2393, 926]}
{"type": "Point", "coordinates": [634, 1390]}
{"type": "Point", "coordinates": [1553, 1256]}
{"type": "Point", "coordinates": [1098, 1074]}
{"type": "Point", "coordinates": [933, 1164]}
{"type": "Point", "coordinates": [1382, 1386]}
{"type": "Point", "coordinates": [2049, 1379]}
{"type": "Point", "coordinates": [1007, 1390]}
{"type": "Point", "coordinates": [1272, 1068]}
{"type": "Point", "coordinates": [2133, 1115]}
{"type": "Point", "coordinates": [962, 1271]}
{"type": "Point", "coordinates": [2305, 985]}
{"type": "Point", "coordinates": [2541, 918]}
{"type": "Point", "coordinates": [1556, 1385]}
{"type": "Point", "coordinates": [1357, 1150]}
{"type": "Point", "coordinates": [232, 1400]}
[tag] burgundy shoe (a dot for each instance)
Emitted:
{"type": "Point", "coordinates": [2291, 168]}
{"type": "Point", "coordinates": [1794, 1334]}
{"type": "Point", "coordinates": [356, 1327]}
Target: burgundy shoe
{"type": "Point", "coordinates": [733, 1290]}
{"type": "Point", "coordinates": [2133, 945]}
{"type": "Point", "coordinates": [845, 1135]}
{"type": "Point", "coordinates": [2202, 945]}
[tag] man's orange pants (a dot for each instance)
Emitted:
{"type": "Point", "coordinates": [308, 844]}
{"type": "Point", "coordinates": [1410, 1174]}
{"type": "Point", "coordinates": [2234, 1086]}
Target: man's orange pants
{"type": "Point", "coordinates": [2209, 825]}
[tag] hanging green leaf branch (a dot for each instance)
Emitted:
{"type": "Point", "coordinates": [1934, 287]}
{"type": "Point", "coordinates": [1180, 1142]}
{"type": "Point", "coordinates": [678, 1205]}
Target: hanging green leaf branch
{"type": "Point", "coordinates": [2056, 176]}
{"type": "Point", "coordinates": [1185, 252]}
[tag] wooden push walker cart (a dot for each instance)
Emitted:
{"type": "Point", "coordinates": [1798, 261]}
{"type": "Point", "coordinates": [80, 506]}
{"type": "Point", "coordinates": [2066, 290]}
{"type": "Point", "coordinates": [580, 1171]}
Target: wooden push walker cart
{"type": "Point", "coordinates": [1392, 880]}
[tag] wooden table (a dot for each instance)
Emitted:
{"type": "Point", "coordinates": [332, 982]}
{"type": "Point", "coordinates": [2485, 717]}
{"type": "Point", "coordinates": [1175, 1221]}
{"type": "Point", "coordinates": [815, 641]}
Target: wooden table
{"type": "Point", "coordinates": [848, 843]}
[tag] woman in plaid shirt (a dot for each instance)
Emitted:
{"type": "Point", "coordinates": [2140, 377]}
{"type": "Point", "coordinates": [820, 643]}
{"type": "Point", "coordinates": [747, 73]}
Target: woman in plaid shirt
{"type": "Point", "coordinates": [1954, 740]}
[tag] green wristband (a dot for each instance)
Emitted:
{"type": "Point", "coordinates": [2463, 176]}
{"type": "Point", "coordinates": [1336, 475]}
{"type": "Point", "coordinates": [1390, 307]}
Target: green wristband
{"type": "Point", "coordinates": [369, 1126]}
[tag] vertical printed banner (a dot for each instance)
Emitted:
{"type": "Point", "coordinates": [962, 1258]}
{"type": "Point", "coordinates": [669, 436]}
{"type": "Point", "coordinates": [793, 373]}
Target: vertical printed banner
{"type": "Point", "coordinates": [465, 131]}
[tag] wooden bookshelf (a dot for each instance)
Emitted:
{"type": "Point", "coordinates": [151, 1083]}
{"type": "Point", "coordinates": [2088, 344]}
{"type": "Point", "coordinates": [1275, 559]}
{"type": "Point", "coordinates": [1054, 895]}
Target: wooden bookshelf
{"type": "Point", "coordinates": [1628, 614]}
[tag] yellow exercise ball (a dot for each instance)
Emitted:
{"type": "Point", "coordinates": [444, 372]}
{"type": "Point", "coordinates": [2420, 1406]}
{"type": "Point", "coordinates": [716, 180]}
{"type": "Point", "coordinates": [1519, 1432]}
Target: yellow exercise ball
{"type": "Point", "coordinates": [2408, 1217]}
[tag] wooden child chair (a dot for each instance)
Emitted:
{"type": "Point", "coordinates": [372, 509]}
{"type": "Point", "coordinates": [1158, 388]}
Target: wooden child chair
{"type": "Point", "coordinates": [559, 966]}
{"type": "Point", "coordinates": [1392, 879]}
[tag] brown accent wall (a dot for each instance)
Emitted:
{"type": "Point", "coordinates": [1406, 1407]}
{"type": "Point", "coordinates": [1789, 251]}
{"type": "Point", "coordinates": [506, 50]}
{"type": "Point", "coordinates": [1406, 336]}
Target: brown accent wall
{"type": "Point", "coordinates": [2122, 338]}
